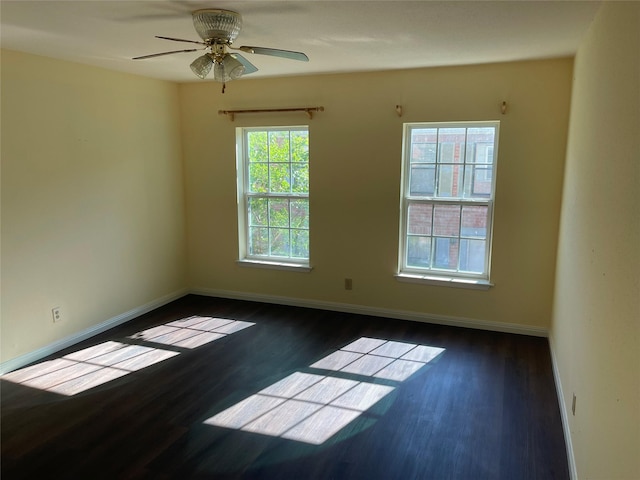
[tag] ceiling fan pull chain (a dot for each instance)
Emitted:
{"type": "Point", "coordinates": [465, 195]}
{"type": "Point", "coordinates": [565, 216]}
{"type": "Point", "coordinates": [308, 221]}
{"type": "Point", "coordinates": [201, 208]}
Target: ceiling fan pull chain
{"type": "Point", "coordinates": [223, 87]}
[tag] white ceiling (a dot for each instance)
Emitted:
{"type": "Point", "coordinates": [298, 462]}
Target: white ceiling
{"type": "Point", "coordinates": [338, 36]}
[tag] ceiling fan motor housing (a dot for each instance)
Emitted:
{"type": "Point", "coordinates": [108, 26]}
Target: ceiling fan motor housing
{"type": "Point", "coordinates": [216, 24]}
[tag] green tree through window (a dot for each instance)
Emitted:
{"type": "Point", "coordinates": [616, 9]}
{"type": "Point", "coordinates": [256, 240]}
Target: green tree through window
{"type": "Point", "coordinates": [274, 206]}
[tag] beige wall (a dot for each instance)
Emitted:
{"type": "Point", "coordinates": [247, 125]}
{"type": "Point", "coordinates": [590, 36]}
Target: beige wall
{"type": "Point", "coordinates": [355, 184]}
{"type": "Point", "coordinates": [92, 197]}
{"type": "Point", "coordinates": [596, 317]}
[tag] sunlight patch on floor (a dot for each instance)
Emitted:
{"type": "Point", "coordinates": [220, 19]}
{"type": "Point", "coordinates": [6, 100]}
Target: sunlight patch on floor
{"type": "Point", "coordinates": [191, 332]}
{"type": "Point", "coordinates": [88, 368]}
{"type": "Point", "coordinates": [312, 408]}
{"type": "Point", "coordinates": [304, 407]}
{"type": "Point", "coordinates": [380, 358]}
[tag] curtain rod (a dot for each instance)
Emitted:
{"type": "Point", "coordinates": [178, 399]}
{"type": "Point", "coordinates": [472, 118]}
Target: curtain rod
{"type": "Point", "coordinates": [308, 110]}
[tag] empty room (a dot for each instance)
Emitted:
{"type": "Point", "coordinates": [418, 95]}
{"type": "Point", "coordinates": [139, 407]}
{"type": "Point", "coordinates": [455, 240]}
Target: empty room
{"type": "Point", "coordinates": [320, 239]}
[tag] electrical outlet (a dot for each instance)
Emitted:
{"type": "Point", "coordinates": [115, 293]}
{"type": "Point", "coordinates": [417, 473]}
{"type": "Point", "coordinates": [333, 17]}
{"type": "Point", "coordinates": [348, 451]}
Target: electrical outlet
{"type": "Point", "coordinates": [573, 405]}
{"type": "Point", "coordinates": [348, 284]}
{"type": "Point", "coordinates": [56, 313]}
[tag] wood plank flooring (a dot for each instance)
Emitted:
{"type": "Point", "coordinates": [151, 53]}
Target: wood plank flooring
{"type": "Point", "coordinates": [391, 406]}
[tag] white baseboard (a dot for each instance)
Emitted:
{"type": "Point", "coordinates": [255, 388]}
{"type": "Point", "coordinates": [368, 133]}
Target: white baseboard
{"type": "Point", "coordinates": [54, 347]}
{"type": "Point", "coordinates": [378, 312]}
{"type": "Point", "coordinates": [564, 414]}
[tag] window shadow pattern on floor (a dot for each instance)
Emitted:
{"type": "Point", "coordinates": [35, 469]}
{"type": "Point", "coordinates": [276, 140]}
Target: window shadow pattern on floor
{"type": "Point", "coordinates": [313, 407]}
{"type": "Point", "coordinates": [99, 364]}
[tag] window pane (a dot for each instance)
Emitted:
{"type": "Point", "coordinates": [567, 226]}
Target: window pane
{"type": "Point", "coordinates": [452, 145]}
{"type": "Point", "coordinates": [279, 178]}
{"type": "Point", "coordinates": [446, 253]}
{"type": "Point", "coordinates": [258, 241]}
{"type": "Point", "coordinates": [258, 177]}
{"type": "Point", "coordinates": [279, 146]}
{"type": "Point", "coordinates": [257, 147]}
{"type": "Point", "coordinates": [446, 220]}
{"type": "Point", "coordinates": [423, 152]}
{"type": "Point", "coordinates": [299, 146]}
{"type": "Point", "coordinates": [258, 214]}
{"type": "Point", "coordinates": [445, 180]}
{"type": "Point", "coordinates": [472, 255]}
{"type": "Point", "coordinates": [279, 241]}
{"type": "Point", "coordinates": [424, 135]}
{"type": "Point", "coordinates": [300, 243]}
{"type": "Point", "coordinates": [480, 153]}
{"type": "Point", "coordinates": [422, 179]}
{"type": "Point", "coordinates": [474, 221]}
{"type": "Point", "coordinates": [481, 181]}
{"type": "Point", "coordinates": [480, 143]}
{"type": "Point", "coordinates": [448, 153]}
{"type": "Point", "coordinates": [420, 218]}
{"type": "Point", "coordinates": [450, 180]}
{"type": "Point", "coordinates": [300, 214]}
{"type": "Point", "coordinates": [419, 251]}
{"type": "Point", "coordinates": [300, 178]}
{"type": "Point", "coordinates": [278, 213]}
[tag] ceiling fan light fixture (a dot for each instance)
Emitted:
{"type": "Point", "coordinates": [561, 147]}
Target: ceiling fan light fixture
{"type": "Point", "coordinates": [218, 29]}
{"type": "Point", "coordinates": [215, 24]}
{"type": "Point", "coordinates": [201, 66]}
{"type": "Point", "coordinates": [229, 69]}
{"type": "Point", "coordinates": [232, 66]}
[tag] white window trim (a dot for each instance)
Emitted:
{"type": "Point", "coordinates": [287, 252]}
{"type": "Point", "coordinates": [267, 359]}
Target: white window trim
{"type": "Point", "coordinates": [242, 174]}
{"type": "Point", "coordinates": [447, 277]}
{"type": "Point", "coordinates": [444, 281]}
{"type": "Point", "coordinates": [292, 267]}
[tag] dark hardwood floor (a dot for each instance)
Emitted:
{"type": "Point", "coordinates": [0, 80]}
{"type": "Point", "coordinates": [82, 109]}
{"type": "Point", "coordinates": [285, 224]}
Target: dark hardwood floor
{"type": "Point", "coordinates": [484, 407]}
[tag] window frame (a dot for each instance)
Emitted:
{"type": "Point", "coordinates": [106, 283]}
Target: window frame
{"type": "Point", "coordinates": [245, 258]}
{"type": "Point", "coordinates": [432, 274]}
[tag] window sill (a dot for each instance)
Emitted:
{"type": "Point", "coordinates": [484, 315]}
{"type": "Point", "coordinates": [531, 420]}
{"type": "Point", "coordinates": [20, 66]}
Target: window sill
{"type": "Point", "coordinates": [292, 267]}
{"type": "Point", "coordinates": [445, 281]}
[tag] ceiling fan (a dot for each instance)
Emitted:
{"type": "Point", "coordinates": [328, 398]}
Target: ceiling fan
{"type": "Point", "coordinates": [218, 29]}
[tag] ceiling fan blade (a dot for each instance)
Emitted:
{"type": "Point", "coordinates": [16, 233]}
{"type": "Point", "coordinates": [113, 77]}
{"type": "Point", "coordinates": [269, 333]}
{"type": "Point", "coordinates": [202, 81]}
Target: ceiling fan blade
{"type": "Point", "coordinates": [180, 40]}
{"type": "Point", "coordinates": [274, 52]}
{"type": "Point", "coordinates": [165, 53]}
{"type": "Point", "coordinates": [248, 66]}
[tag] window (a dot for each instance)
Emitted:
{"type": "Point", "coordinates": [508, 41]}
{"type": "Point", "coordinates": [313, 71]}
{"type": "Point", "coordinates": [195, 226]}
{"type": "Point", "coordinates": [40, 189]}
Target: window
{"type": "Point", "coordinates": [447, 201]}
{"type": "Point", "coordinates": [273, 195]}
